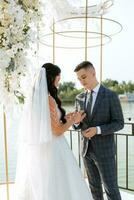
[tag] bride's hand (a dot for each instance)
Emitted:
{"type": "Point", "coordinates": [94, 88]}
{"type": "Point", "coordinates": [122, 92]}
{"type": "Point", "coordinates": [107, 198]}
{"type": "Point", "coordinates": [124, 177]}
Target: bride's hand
{"type": "Point", "coordinates": [76, 117]}
{"type": "Point", "coordinates": [79, 116]}
{"type": "Point", "coordinates": [70, 118]}
{"type": "Point", "coordinates": [68, 115]}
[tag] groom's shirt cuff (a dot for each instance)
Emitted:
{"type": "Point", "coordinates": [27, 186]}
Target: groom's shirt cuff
{"type": "Point", "coordinates": [98, 130]}
{"type": "Point", "coordinates": [76, 125]}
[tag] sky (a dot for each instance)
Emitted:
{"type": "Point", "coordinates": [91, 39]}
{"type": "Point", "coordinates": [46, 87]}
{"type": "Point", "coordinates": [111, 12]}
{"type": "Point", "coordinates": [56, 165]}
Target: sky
{"type": "Point", "coordinates": [118, 55]}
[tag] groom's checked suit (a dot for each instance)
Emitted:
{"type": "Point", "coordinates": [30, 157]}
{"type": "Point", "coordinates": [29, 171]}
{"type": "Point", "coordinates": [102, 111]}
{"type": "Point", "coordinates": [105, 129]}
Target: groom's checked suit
{"type": "Point", "coordinates": [99, 151]}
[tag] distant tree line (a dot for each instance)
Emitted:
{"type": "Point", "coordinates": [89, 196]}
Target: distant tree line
{"type": "Point", "coordinates": [68, 91]}
{"type": "Point", "coordinates": [120, 88]}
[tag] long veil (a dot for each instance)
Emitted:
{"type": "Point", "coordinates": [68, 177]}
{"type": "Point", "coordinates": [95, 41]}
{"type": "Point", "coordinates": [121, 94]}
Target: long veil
{"type": "Point", "coordinates": [35, 144]}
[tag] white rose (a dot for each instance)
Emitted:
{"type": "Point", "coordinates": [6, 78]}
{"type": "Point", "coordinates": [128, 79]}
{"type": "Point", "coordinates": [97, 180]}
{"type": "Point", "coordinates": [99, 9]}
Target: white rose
{"type": "Point", "coordinates": [4, 59]}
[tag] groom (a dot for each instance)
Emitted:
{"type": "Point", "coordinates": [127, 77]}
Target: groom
{"type": "Point", "coordinates": [103, 118]}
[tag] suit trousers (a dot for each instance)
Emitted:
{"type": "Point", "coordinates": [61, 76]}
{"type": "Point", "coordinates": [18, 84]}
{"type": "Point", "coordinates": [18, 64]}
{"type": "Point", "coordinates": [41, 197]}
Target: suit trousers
{"type": "Point", "coordinates": [101, 170]}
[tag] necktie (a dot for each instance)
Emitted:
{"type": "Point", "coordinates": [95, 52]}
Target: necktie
{"type": "Point", "coordinates": [89, 105]}
{"type": "Point", "coordinates": [85, 101]}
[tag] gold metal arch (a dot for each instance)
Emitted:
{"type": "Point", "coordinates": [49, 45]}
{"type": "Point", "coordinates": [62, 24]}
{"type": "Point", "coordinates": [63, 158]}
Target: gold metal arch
{"type": "Point", "coordinates": [120, 27]}
{"type": "Point", "coordinates": [97, 35]}
{"type": "Point", "coordinates": [6, 153]}
{"type": "Point", "coordinates": [86, 29]}
{"type": "Point", "coordinates": [73, 47]}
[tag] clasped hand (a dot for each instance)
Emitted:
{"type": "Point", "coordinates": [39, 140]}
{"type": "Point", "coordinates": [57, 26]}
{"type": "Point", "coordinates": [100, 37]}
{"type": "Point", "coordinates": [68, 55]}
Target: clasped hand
{"type": "Point", "coordinates": [76, 117]}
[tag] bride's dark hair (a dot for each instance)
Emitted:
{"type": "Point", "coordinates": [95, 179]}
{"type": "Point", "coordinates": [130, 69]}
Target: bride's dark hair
{"type": "Point", "coordinates": [51, 72]}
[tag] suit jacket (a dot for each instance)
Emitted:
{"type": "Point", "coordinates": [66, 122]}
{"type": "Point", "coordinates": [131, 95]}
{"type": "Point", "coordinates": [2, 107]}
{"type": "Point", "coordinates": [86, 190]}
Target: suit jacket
{"type": "Point", "coordinates": [107, 114]}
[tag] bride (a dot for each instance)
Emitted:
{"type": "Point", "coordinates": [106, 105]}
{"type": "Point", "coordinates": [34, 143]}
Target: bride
{"type": "Point", "coordinates": [46, 167]}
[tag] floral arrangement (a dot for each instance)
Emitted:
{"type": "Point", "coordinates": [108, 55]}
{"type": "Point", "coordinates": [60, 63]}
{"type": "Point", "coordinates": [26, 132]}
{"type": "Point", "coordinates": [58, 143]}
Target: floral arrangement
{"type": "Point", "coordinates": [18, 33]}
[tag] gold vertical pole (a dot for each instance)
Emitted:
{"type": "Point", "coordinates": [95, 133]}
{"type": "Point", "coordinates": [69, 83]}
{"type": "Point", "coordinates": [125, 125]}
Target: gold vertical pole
{"type": "Point", "coordinates": [6, 152]}
{"type": "Point", "coordinates": [38, 45]}
{"type": "Point", "coordinates": [37, 53]}
{"type": "Point", "coordinates": [101, 49]}
{"type": "Point", "coordinates": [53, 41]}
{"type": "Point", "coordinates": [86, 28]}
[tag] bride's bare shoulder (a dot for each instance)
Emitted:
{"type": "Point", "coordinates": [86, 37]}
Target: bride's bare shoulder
{"type": "Point", "coordinates": [51, 99]}
{"type": "Point", "coordinates": [52, 102]}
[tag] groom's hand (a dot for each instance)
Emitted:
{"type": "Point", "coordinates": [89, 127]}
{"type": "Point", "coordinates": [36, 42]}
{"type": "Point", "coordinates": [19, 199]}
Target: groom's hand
{"type": "Point", "coordinates": [90, 132]}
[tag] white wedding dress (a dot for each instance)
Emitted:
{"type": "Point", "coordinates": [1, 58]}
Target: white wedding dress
{"type": "Point", "coordinates": [47, 168]}
{"type": "Point", "coordinates": [66, 181]}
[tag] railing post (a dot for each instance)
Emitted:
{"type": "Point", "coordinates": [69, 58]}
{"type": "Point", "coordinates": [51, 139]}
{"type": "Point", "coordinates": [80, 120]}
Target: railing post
{"type": "Point", "coordinates": [116, 161]}
{"type": "Point", "coordinates": [132, 128]}
{"type": "Point", "coordinates": [79, 149]}
{"type": "Point", "coordinates": [126, 161]}
{"type": "Point", "coordinates": [71, 142]}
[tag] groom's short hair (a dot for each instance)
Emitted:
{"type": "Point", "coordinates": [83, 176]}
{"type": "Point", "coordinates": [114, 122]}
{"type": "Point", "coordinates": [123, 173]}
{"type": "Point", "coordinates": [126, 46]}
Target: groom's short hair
{"type": "Point", "coordinates": [83, 65]}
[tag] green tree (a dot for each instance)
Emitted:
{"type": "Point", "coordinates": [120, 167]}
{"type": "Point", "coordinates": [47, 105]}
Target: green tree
{"type": "Point", "coordinates": [66, 86]}
{"type": "Point", "coordinates": [120, 88]}
{"type": "Point", "coordinates": [68, 91]}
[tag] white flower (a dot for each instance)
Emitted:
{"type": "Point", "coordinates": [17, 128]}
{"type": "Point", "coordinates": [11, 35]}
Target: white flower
{"type": "Point", "coordinates": [10, 53]}
{"type": "Point", "coordinates": [4, 59]}
{"type": "Point", "coordinates": [16, 12]}
{"type": "Point", "coordinates": [16, 34]}
{"type": "Point", "coordinates": [32, 36]}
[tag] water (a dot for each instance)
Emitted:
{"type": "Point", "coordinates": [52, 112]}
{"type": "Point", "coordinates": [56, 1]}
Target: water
{"type": "Point", "coordinates": [12, 127]}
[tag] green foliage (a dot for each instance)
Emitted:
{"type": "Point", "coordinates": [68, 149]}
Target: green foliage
{"type": "Point", "coordinates": [120, 88]}
{"type": "Point", "coordinates": [68, 91]}
{"type": "Point", "coordinates": [20, 97]}
{"type": "Point", "coordinates": [66, 86]}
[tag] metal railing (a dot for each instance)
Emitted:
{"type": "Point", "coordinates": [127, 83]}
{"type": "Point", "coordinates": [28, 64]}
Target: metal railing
{"type": "Point", "coordinates": [124, 141]}
{"type": "Point", "coordinates": [124, 155]}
